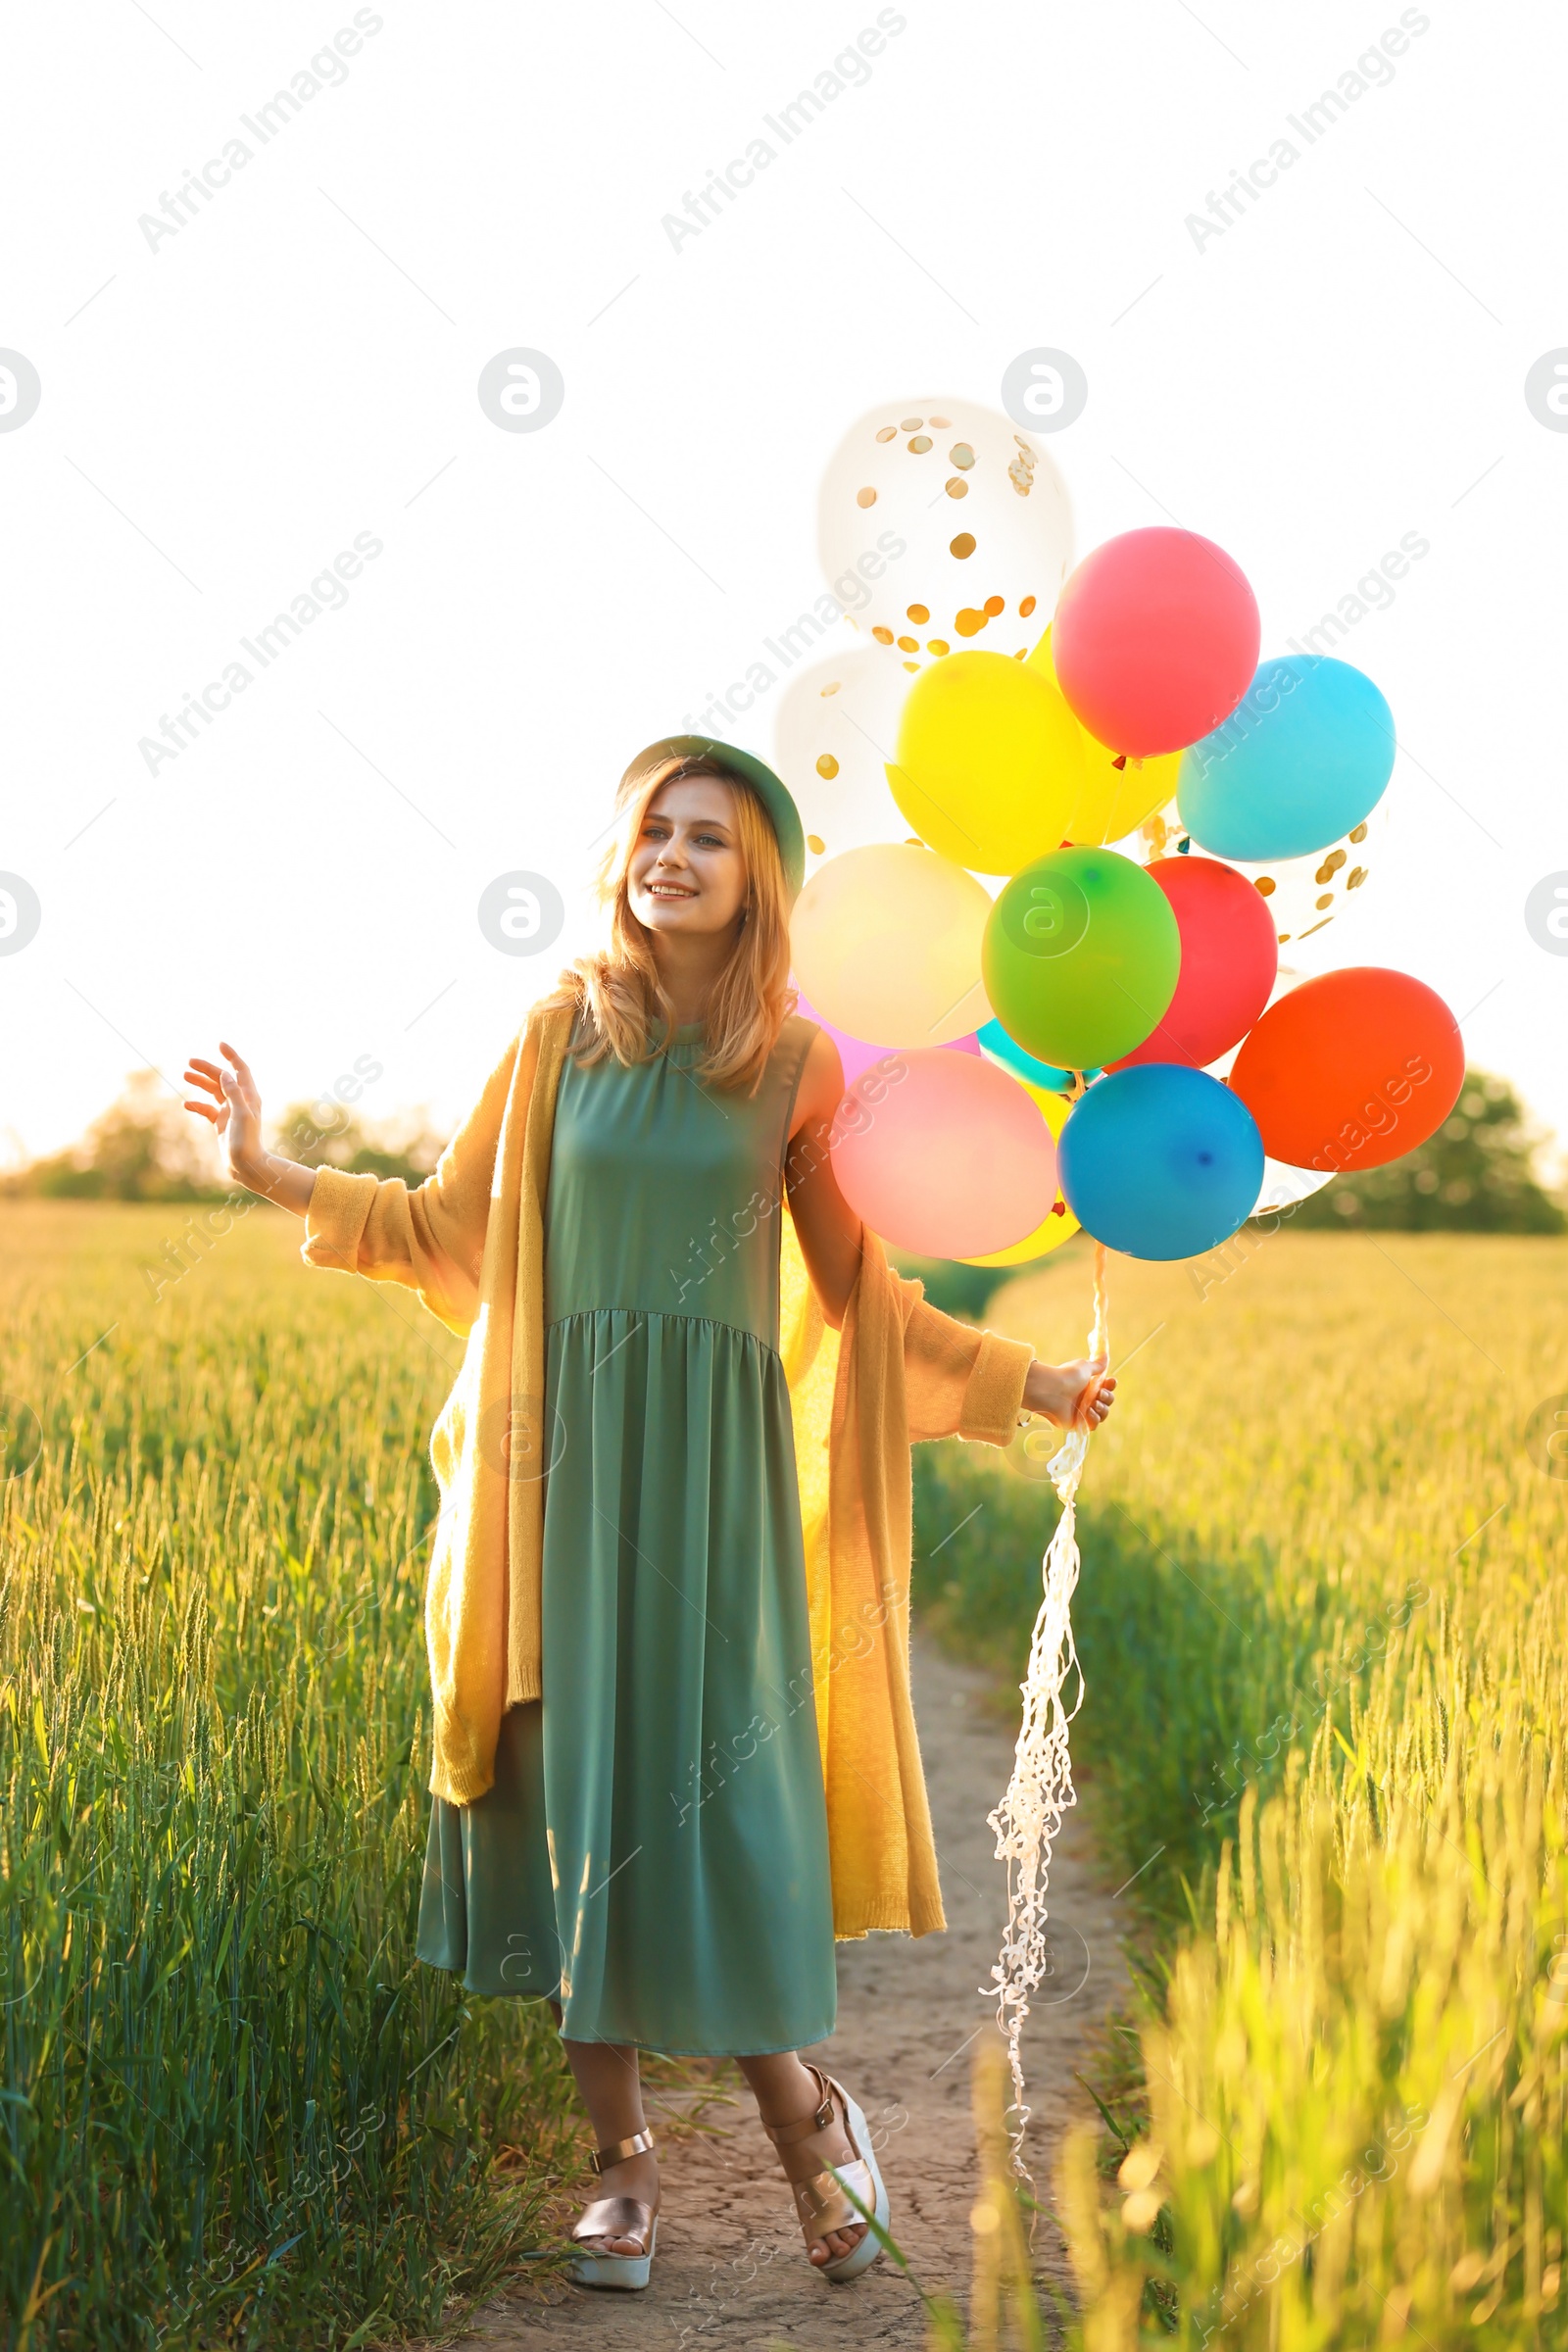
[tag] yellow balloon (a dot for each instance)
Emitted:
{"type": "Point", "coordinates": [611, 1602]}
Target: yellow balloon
{"type": "Point", "coordinates": [886, 944]}
{"type": "Point", "coordinates": [1058, 1224]}
{"type": "Point", "coordinates": [990, 762]}
{"type": "Point", "coordinates": [1114, 801]}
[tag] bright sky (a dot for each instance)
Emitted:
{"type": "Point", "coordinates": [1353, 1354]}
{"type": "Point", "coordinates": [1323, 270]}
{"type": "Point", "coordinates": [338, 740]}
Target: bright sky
{"type": "Point", "coordinates": [292, 375]}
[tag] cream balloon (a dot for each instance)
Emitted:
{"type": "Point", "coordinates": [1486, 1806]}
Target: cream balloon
{"type": "Point", "coordinates": [834, 729]}
{"type": "Point", "coordinates": [886, 944]}
{"type": "Point", "coordinates": [979, 514]}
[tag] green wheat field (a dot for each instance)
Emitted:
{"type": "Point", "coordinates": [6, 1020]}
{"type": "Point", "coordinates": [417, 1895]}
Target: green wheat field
{"type": "Point", "coordinates": [233, 2107]}
{"type": "Point", "coordinates": [1322, 1620]}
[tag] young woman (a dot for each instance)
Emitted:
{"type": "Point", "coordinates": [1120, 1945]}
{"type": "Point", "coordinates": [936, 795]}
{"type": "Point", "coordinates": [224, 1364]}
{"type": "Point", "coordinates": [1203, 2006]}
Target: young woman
{"type": "Point", "coordinates": [668, 1606]}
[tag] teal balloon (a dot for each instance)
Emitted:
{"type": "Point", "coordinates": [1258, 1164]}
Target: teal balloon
{"type": "Point", "coordinates": [995, 1041]}
{"type": "Point", "coordinates": [1080, 958]}
{"type": "Point", "coordinates": [1160, 1160]}
{"type": "Point", "coordinates": [1305, 754]}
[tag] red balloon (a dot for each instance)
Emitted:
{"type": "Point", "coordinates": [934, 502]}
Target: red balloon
{"type": "Point", "coordinates": [1155, 639]}
{"type": "Point", "coordinates": [1351, 1069]}
{"type": "Point", "coordinates": [1229, 958]}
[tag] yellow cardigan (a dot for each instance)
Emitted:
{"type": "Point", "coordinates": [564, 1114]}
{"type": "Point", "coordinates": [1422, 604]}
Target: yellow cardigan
{"type": "Point", "coordinates": [471, 1240]}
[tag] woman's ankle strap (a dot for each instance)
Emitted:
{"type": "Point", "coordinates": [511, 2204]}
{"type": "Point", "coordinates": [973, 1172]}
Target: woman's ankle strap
{"type": "Point", "coordinates": [785, 2136]}
{"type": "Point", "coordinates": [637, 2143]}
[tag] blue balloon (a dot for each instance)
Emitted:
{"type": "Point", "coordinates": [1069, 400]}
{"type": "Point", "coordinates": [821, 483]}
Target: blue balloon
{"type": "Point", "coordinates": [1160, 1160]}
{"type": "Point", "coordinates": [995, 1041]}
{"type": "Point", "coordinates": [1304, 755]}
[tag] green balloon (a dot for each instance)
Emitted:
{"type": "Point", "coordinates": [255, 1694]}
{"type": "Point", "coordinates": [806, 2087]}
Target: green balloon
{"type": "Point", "coordinates": [1080, 958]}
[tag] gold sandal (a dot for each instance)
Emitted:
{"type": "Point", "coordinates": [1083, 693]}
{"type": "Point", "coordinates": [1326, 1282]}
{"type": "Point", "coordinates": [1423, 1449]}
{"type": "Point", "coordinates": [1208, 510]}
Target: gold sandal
{"type": "Point", "coordinates": [821, 2200]}
{"type": "Point", "coordinates": [617, 2216]}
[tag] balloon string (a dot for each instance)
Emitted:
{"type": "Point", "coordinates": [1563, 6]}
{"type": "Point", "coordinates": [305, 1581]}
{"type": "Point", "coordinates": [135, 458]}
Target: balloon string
{"type": "Point", "coordinates": [1029, 1817]}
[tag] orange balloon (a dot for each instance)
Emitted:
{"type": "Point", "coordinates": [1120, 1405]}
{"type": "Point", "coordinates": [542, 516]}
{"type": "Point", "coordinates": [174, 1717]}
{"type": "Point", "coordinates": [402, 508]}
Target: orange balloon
{"type": "Point", "coordinates": [1351, 1069]}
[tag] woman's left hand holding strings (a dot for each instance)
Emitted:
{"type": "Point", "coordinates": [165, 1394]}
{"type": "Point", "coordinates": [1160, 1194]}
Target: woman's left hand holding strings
{"type": "Point", "coordinates": [1077, 1395]}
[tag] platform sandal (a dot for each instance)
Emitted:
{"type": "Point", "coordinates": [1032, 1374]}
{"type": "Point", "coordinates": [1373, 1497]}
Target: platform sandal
{"type": "Point", "coordinates": [821, 2200]}
{"type": "Point", "coordinates": [616, 2217]}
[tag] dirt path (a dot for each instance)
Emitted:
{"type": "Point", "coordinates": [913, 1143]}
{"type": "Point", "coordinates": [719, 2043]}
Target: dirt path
{"type": "Point", "coordinates": [731, 2270]}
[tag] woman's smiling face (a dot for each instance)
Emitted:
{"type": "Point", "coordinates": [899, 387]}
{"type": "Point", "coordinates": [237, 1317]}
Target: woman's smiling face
{"type": "Point", "coordinates": [687, 873]}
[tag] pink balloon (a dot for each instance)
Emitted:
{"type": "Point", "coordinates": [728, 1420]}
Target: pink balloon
{"type": "Point", "coordinates": [944, 1154]}
{"type": "Point", "coordinates": [1155, 639]}
{"type": "Point", "coordinates": [856, 1056]}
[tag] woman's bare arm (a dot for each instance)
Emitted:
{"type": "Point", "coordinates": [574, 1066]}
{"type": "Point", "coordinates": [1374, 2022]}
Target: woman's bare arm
{"type": "Point", "coordinates": [232, 1108]}
{"type": "Point", "coordinates": [828, 1228]}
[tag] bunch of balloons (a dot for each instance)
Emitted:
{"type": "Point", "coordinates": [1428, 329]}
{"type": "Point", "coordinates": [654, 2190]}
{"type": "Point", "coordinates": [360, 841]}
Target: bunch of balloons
{"type": "Point", "coordinates": [1070, 1033]}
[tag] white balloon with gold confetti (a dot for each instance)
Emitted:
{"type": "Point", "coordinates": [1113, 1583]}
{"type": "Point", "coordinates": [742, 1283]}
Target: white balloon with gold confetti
{"type": "Point", "coordinates": [1315, 901]}
{"type": "Point", "coordinates": [982, 517]}
{"type": "Point", "coordinates": [834, 730]}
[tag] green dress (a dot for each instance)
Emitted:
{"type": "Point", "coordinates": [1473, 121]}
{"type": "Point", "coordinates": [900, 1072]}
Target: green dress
{"type": "Point", "coordinates": [653, 1851]}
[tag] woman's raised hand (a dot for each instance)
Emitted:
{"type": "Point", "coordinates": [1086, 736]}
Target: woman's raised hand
{"type": "Point", "coordinates": [232, 1106]}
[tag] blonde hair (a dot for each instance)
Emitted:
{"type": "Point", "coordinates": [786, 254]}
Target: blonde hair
{"type": "Point", "coordinates": [617, 989]}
